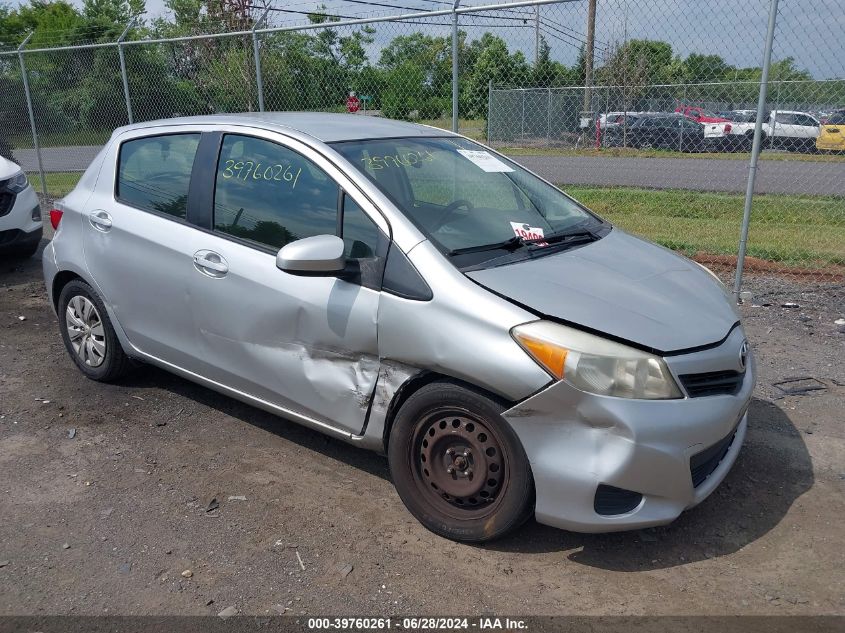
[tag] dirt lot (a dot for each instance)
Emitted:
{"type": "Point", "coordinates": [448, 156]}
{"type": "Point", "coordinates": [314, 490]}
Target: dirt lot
{"type": "Point", "coordinates": [108, 520]}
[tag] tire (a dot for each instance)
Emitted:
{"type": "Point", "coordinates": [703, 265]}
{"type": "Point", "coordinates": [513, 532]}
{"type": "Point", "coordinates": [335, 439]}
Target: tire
{"type": "Point", "coordinates": [443, 426]}
{"type": "Point", "coordinates": [88, 334]}
{"type": "Point", "coordinates": [25, 252]}
{"type": "Point", "coordinates": [20, 252]}
{"type": "Point", "coordinates": [748, 142]}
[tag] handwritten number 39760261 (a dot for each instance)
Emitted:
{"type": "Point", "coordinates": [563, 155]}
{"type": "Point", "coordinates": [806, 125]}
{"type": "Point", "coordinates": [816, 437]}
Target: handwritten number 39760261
{"type": "Point", "coordinates": [244, 170]}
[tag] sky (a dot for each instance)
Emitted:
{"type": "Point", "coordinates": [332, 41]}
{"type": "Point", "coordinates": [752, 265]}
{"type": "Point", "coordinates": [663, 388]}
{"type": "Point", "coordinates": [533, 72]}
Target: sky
{"type": "Point", "coordinates": [811, 31]}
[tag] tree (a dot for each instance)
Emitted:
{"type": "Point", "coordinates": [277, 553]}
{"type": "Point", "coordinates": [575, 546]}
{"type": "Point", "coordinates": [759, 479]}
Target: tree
{"type": "Point", "coordinates": [493, 63]}
{"type": "Point", "coordinates": [699, 68]}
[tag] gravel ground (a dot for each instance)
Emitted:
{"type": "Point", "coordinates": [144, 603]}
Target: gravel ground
{"type": "Point", "coordinates": [106, 491]}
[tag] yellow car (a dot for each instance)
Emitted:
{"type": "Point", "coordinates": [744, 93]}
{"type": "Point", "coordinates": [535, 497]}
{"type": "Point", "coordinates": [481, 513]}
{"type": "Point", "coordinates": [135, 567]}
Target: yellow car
{"type": "Point", "coordinates": [832, 133]}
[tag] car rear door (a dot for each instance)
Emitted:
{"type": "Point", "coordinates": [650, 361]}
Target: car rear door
{"type": "Point", "coordinates": [306, 344]}
{"type": "Point", "coordinates": [137, 240]}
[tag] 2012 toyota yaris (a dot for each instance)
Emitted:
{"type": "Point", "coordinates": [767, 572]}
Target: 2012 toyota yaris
{"type": "Point", "coordinates": [410, 291]}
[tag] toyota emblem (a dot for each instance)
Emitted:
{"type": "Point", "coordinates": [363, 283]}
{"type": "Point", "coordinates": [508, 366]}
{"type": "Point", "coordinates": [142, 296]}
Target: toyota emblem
{"type": "Point", "coordinates": [743, 355]}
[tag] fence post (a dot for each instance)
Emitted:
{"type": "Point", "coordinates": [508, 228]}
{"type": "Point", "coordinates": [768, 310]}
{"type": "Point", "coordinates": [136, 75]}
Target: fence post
{"type": "Point", "coordinates": [32, 114]}
{"type": "Point", "coordinates": [549, 117]}
{"type": "Point", "coordinates": [755, 147]}
{"type": "Point", "coordinates": [681, 135]}
{"type": "Point", "coordinates": [489, 108]}
{"type": "Point", "coordinates": [259, 79]}
{"type": "Point", "coordinates": [123, 71]}
{"type": "Point", "coordinates": [455, 65]}
{"type": "Point", "coordinates": [522, 118]}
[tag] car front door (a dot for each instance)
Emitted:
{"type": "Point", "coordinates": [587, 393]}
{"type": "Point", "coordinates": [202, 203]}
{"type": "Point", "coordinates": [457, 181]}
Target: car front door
{"type": "Point", "coordinates": [306, 344]}
{"type": "Point", "coordinates": [137, 241]}
{"type": "Point", "coordinates": [806, 127]}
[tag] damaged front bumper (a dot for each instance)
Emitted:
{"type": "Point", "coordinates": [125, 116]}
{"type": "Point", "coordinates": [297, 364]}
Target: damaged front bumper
{"type": "Point", "coordinates": [604, 464]}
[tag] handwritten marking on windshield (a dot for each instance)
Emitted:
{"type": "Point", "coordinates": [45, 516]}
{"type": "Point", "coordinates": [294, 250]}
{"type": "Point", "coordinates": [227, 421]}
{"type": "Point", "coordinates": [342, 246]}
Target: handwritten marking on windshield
{"type": "Point", "coordinates": [405, 159]}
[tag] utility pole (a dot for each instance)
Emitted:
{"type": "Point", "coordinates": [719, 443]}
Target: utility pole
{"type": "Point", "coordinates": [536, 35]}
{"type": "Point", "coordinates": [588, 54]}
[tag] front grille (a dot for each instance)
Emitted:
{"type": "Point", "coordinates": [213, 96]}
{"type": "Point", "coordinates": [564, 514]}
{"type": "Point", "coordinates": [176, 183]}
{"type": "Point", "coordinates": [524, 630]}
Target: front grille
{"type": "Point", "coordinates": [712, 383]}
{"type": "Point", "coordinates": [610, 500]}
{"type": "Point", "coordinates": [702, 465]}
{"type": "Point", "coordinates": [7, 201]}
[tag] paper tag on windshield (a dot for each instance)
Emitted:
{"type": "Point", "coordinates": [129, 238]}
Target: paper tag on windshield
{"type": "Point", "coordinates": [485, 160]}
{"type": "Point", "coordinates": [527, 232]}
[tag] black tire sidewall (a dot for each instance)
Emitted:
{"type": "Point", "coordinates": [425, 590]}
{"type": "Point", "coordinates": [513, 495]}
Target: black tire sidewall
{"type": "Point", "coordinates": [115, 360]}
{"type": "Point", "coordinates": [517, 502]}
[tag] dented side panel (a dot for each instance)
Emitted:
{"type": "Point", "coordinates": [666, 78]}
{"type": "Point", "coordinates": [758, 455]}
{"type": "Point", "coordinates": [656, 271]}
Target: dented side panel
{"type": "Point", "coordinates": [463, 332]}
{"type": "Point", "coordinates": [307, 344]}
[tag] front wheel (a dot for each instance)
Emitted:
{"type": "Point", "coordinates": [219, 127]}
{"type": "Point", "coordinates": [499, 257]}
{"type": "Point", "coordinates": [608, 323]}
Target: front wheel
{"type": "Point", "coordinates": [458, 466]}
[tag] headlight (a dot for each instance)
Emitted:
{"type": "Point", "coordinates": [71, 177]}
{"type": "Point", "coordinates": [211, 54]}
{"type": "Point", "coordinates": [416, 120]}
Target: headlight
{"type": "Point", "coordinates": [17, 183]}
{"type": "Point", "coordinates": [594, 364]}
{"type": "Point", "coordinates": [712, 274]}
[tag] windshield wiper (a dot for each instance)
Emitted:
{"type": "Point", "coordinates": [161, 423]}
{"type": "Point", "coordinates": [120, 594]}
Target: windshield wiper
{"type": "Point", "coordinates": [515, 242]}
{"type": "Point", "coordinates": [563, 237]}
{"type": "Point", "coordinates": [509, 244]}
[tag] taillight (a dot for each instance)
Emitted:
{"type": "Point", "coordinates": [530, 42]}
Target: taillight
{"type": "Point", "coordinates": [55, 218]}
{"type": "Point", "coordinates": [728, 128]}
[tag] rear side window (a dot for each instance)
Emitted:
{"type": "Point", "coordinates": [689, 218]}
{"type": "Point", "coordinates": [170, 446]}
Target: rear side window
{"type": "Point", "coordinates": [837, 119]}
{"type": "Point", "coordinates": [271, 195]}
{"type": "Point", "coordinates": [154, 173]}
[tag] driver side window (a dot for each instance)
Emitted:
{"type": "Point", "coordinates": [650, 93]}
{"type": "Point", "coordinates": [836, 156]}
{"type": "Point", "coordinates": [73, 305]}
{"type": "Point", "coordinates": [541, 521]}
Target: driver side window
{"type": "Point", "coordinates": [270, 194]}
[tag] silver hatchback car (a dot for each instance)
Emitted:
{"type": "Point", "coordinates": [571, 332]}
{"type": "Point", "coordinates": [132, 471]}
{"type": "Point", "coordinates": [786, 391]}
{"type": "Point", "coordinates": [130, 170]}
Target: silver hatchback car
{"type": "Point", "coordinates": [410, 291]}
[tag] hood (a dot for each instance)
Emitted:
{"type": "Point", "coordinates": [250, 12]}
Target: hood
{"type": "Point", "coordinates": [622, 286]}
{"type": "Point", "coordinates": [7, 168]}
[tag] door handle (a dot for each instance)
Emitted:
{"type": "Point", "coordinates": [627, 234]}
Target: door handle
{"type": "Point", "coordinates": [100, 220]}
{"type": "Point", "coordinates": [210, 261]}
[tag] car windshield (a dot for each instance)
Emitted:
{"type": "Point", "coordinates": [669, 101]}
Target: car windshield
{"type": "Point", "coordinates": [463, 196]}
{"type": "Point", "coordinates": [741, 117]}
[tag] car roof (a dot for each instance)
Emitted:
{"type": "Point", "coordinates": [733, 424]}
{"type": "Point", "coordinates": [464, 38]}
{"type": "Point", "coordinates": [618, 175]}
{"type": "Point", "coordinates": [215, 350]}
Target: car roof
{"type": "Point", "coordinates": [323, 126]}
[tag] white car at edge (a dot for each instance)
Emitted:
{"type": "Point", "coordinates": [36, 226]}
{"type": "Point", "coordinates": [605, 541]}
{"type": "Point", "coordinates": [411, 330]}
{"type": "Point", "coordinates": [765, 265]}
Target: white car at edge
{"type": "Point", "coordinates": [20, 213]}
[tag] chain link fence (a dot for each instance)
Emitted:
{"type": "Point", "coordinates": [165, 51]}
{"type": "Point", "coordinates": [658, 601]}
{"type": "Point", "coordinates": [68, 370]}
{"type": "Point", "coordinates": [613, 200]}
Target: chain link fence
{"type": "Point", "coordinates": [645, 111]}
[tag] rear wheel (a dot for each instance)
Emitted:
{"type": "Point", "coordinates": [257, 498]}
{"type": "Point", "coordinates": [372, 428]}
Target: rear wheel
{"type": "Point", "coordinates": [458, 466]}
{"type": "Point", "coordinates": [88, 334]}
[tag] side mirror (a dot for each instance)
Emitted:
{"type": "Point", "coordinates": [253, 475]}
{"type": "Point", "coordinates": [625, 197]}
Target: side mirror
{"type": "Point", "coordinates": [317, 255]}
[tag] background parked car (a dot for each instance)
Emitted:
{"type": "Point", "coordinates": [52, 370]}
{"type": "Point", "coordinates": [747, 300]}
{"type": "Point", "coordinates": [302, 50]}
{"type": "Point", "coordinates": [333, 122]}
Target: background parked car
{"type": "Point", "coordinates": [20, 214]}
{"type": "Point", "coordinates": [700, 114]}
{"type": "Point", "coordinates": [832, 133]}
{"type": "Point", "coordinates": [792, 130]}
{"type": "Point", "coordinates": [782, 129]}
{"type": "Point", "coordinates": [674, 131]}
{"type": "Point", "coordinates": [615, 134]}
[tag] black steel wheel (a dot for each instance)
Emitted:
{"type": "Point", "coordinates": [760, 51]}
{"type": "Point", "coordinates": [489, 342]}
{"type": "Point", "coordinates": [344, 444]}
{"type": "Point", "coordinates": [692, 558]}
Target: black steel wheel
{"type": "Point", "coordinates": [457, 464]}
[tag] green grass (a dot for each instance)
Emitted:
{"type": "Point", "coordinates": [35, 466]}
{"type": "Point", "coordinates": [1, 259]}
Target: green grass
{"type": "Point", "coordinates": [800, 231]}
{"type": "Point", "coordinates": [58, 183]}
{"type": "Point", "coordinates": [63, 139]}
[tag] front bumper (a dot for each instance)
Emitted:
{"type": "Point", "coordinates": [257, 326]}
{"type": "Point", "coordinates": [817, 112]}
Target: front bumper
{"type": "Point", "coordinates": [18, 230]}
{"type": "Point", "coordinates": [577, 441]}
{"type": "Point", "coordinates": [17, 240]}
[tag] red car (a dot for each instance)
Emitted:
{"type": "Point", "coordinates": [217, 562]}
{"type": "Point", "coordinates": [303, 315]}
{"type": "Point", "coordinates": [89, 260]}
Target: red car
{"type": "Point", "coordinates": [700, 114]}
